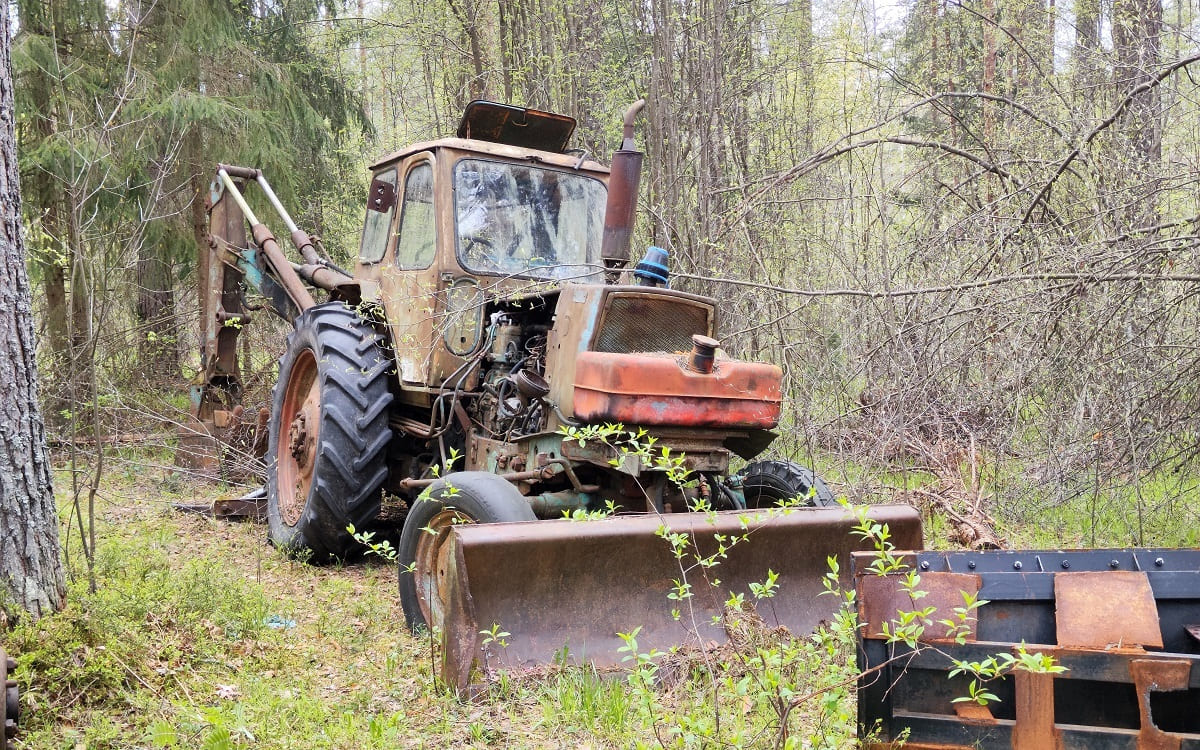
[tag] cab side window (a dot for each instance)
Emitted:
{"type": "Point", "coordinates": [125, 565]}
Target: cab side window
{"type": "Point", "coordinates": [381, 207]}
{"type": "Point", "coordinates": [415, 243]}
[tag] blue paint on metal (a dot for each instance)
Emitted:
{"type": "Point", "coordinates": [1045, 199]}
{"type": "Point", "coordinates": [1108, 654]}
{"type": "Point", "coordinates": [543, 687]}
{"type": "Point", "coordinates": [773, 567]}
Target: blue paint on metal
{"type": "Point", "coordinates": [248, 262]}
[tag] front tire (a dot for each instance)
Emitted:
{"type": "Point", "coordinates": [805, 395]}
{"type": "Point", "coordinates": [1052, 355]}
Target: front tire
{"type": "Point", "coordinates": [769, 483]}
{"type": "Point", "coordinates": [464, 497]}
{"type": "Point", "coordinates": [327, 450]}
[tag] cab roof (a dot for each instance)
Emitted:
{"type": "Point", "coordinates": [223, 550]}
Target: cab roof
{"type": "Point", "coordinates": [486, 148]}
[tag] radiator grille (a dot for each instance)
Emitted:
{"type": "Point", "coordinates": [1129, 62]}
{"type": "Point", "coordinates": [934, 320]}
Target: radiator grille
{"type": "Point", "coordinates": [645, 323]}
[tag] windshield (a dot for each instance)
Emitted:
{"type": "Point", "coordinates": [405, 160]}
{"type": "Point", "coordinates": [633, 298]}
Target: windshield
{"type": "Point", "coordinates": [527, 221]}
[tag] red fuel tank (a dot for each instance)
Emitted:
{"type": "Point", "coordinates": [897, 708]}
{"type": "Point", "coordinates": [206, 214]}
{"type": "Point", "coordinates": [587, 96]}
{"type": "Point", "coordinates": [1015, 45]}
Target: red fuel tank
{"type": "Point", "coordinates": [659, 389]}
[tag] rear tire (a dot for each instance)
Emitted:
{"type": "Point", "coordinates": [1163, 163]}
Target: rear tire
{"type": "Point", "coordinates": [327, 450]}
{"type": "Point", "coordinates": [769, 483]}
{"type": "Point", "coordinates": [464, 497]}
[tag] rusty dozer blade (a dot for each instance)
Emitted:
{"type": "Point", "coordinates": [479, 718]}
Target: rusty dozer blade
{"type": "Point", "coordinates": [567, 588]}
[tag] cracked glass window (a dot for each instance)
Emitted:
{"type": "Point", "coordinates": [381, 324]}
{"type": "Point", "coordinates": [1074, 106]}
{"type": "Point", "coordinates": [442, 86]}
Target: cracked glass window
{"type": "Point", "coordinates": [518, 220]}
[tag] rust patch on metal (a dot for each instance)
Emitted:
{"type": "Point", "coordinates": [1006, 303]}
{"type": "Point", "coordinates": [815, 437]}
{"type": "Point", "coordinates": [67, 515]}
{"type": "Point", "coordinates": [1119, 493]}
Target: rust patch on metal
{"type": "Point", "coordinates": [461, 646]}
{"type": "Point", "coordinates": [297, 455]}
{"type": "Point", "coordinates": [915, 745]}
{"type": "Point", "coordinates": [1157, 675]}
{"type": "Point", "coordinates": [973, 713]}
{"type": "Point", "coordinates": [1105, 609]}
{"type": "Point", "coordinates": [556, 588]}
{"type": "Point", "coordinates": [881, 597]}
{"type": "Point", "coordinates": [652, 388]}
{"type": "Point", "coordinates": [251, 506]}
{"type": "Point", "coordinates": [1034, 727]}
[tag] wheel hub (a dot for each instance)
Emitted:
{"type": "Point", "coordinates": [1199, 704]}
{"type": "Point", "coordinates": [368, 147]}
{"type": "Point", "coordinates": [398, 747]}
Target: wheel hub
{"type": "Point", "coordinates": [296, 454]}
{"type": "Point", "coordinates": [298, 439]}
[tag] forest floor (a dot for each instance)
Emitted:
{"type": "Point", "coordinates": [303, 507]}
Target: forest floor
{"type": "Point", "coordinates": [199, 634]}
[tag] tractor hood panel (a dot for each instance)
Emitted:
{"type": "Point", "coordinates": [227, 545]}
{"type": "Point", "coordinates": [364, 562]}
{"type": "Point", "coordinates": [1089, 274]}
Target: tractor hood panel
{"type": "Point", "coordinates": [659, 389]}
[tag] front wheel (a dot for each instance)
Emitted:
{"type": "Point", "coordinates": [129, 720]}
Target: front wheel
{"type": "Point", "coordinates": [464, 497]}
{"type": "Point", "coordinates": [768, 483]}
{"type": "Point", "coordinates": [327, 451]}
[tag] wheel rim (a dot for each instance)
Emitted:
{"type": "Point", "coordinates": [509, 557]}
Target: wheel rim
{"type": "Point", "coordinates": [299, 431]}
{"type": "Point", "coordinates": [433, 556]}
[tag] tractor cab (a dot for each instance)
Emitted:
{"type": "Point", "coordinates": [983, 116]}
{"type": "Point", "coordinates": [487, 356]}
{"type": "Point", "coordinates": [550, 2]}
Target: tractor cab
{"type": "Point", "coordinates": [503, 199]}
{"type": "Point", "coordinates": [501, 211]}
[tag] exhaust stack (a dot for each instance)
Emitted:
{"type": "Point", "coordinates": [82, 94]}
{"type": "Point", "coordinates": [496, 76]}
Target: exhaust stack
{"type": "Point", "coordinates": [624, 178]}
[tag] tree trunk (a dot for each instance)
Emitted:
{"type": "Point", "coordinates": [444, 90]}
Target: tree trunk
{"type": "Point", "coordinates": [1136, 27]}
{"type": "Point", "coordinates": [156, 315]}
{"type": "Point", "coordinates": [30, 566]}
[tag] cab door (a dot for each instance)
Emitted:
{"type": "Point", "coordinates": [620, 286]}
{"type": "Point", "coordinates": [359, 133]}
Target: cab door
{"type": "Point", "coordinates": [408, 275]}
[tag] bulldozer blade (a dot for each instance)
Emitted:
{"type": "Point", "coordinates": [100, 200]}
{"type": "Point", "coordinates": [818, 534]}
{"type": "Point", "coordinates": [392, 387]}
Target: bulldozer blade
{"type": "Point", "coordinates": [526, 594]}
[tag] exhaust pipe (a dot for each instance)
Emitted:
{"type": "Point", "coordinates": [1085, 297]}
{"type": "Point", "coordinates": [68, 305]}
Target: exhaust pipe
{"type": "Point", "coordinates": [624, 177]}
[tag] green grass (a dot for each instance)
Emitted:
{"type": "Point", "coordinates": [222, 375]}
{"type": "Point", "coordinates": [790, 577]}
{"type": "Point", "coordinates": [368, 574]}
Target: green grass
{"type": "Point", "coordinates": [175, 647]}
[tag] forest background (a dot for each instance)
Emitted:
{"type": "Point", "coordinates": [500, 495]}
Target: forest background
{"type": "Point", "coordinates": [968, 231]}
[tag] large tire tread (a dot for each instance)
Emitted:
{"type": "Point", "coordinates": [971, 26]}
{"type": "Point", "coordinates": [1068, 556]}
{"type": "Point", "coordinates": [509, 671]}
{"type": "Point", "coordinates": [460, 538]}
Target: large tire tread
{"type": "Point", "coordinates": [767, 483]}
{"type": "Point", "coordinates": [354, 380]}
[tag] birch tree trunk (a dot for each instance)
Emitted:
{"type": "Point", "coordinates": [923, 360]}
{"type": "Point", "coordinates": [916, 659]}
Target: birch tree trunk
{"type": "Point", "coordinates": [31, 574]}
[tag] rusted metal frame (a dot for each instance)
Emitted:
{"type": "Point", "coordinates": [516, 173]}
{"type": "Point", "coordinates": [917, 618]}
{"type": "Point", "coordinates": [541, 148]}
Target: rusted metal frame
{"type": "Point", "coordinates": [503, 151]}
{"type": "Point", "coordinates": [278, 300]}
{"type": "Point", "coordinates": [241, 173]}
{"type": "Point", "coordinates": [315, 268]}
{"type": "Point", "coordinates": [1032, 695]}
{"type": "Point", "coordinates": [1024, 588]}
{"type": "Point", "coordinates": [552, 469]}
{"type": "Point", "coordinates": [517, 126]}
{"type": "Point", "coordinates": [939, 733]}
{"type": "Point", "coordinates": [1092, 665]}
{"type": "Point", "coordinates": [12, 702]}
{"type": "Point", "coordinates": [931, 731]}
{"type": "Point", "coordinates": [221, 306]}
{"type": "Point", "coordinates": [1020, 586]}
{"type": "Point", "coordinates": [282, 268]}
{"type": "Point", "coordinates": [290, 276]}
{"type": "Point", "coordinates": [1026, 562]}
{"type": "Point", "coordinates": [898, 696]}
{"type": "Point", "coordinates": [216, 391]}
{"type": "Point", "coordinates": [249, 507]}
{"type": "Point", "coordinates": [302, 240]}
{"type": "Point", "coordinates": [1158, 675]}
{"type": "Point", "coordinates": [280, 265]}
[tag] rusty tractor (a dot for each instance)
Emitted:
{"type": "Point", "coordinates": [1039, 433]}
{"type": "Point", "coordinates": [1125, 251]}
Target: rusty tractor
{"type": "Point", "coordinates": [493, 360]}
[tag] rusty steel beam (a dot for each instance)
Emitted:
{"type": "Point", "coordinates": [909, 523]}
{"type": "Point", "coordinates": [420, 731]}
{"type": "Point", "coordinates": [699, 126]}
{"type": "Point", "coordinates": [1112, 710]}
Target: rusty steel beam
{"type": "Point", "coordinates": [1120, 622]}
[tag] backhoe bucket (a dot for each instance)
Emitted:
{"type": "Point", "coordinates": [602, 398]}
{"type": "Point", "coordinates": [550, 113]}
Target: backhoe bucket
{"type": "Point", "coordinates": [564, 589]}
